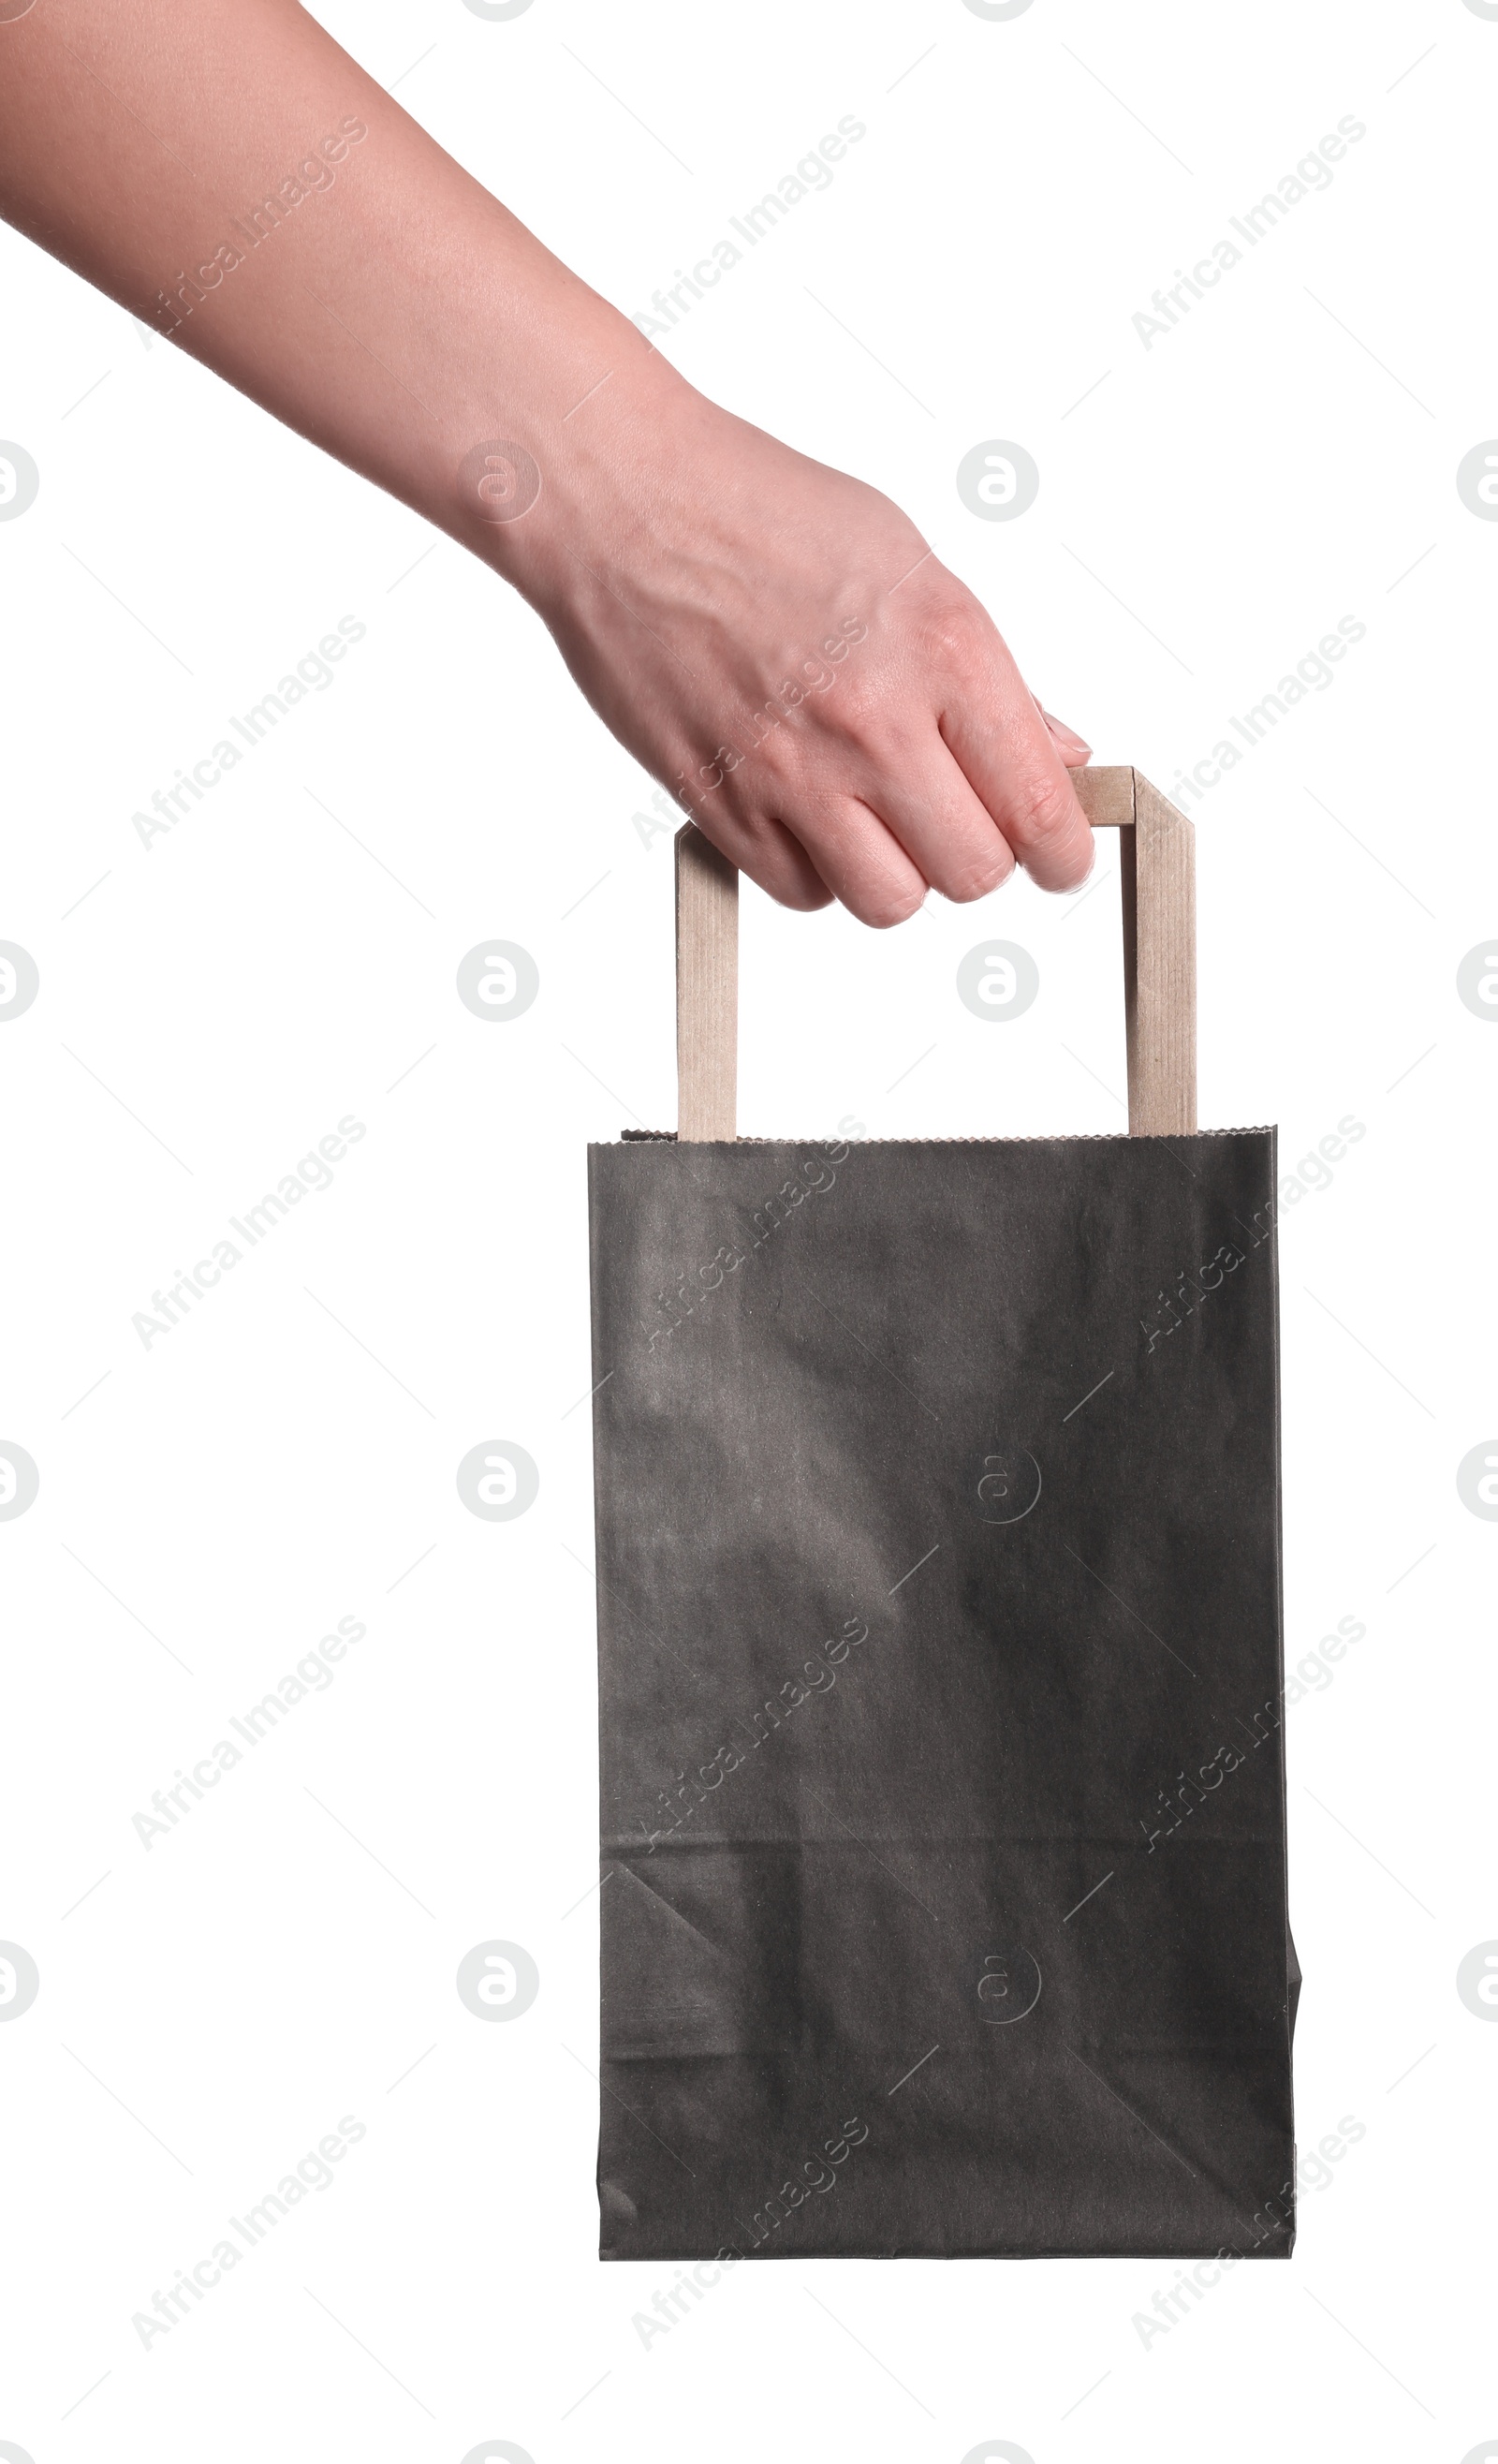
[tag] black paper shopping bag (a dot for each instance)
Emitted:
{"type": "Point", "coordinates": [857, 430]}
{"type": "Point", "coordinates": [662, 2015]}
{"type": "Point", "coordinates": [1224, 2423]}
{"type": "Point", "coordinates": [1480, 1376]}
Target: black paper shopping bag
{"type": "Point", "coordinates": [942, 1831]}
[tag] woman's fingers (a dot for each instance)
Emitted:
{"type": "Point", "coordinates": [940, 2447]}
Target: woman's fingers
{"type": "Point", "coordinates": [1074, 750]}
{"type": "Point", "coordinates": [912, 822]}
{"type": "Point", "coordinates": [1001, 744]}
{"type": "Point", "coordinates": [925, 802]}
{"type": "Point", "coordinates": [835, 710]}
{"type": "Point", "coordinates": [770, 854]}
{"type": "Point", "coordinates": [860, 861]}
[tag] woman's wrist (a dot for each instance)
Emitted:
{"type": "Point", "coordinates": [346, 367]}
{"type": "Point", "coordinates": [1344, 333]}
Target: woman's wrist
{"type": "Point", "coordinates": [563, 468]}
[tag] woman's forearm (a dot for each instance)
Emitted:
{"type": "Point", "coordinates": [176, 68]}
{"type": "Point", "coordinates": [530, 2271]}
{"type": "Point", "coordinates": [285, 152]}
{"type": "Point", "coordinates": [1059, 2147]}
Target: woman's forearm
{"type": "Point", "coordinates": [240, 183]}
{"type": "Point", "coordinates": [772, 639]}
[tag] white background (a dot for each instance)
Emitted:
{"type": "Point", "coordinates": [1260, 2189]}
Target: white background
{"type": "Point", "coordinates": [1208, 509]}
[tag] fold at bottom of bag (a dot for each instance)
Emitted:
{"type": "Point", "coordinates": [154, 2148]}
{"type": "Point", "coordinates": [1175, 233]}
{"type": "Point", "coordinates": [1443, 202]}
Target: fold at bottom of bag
{"type": "Point", "coordinates": [795, 2066]}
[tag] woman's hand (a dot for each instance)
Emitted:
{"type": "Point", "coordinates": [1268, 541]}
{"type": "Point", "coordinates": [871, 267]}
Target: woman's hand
{"type": "Point", "coordinates": [775, 640]}
{"type": "Point", "coordinates": [776, 643]}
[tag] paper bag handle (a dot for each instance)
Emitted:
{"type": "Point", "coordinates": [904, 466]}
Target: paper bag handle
{"type": "Point", "coordinates": [1158, 873]}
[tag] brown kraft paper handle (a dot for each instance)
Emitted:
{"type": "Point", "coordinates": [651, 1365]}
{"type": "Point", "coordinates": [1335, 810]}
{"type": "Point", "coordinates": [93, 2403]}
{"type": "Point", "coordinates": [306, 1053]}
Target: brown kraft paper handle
{"type": "Point", "coordinates": [1158, 874]}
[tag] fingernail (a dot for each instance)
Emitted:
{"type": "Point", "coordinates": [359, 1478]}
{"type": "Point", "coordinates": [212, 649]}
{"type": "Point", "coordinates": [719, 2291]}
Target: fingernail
{"type": "Point", "coordinates": [1063, 734]}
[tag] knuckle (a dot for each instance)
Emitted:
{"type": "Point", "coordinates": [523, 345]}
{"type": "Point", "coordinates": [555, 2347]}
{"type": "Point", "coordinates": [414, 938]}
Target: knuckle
{"type": "Point", "coordinates": [954, 628]}
{"type": "Point", "coordinates": [975, 880]}
{"type": "Point", "coordinates": [780, 755]}
{"type": "Point", "coordinates": [774, 856]}
{"type": "Point", "coordinates": [1045, 810]}
{"type": "Point", "coordinates": [949, 639]}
